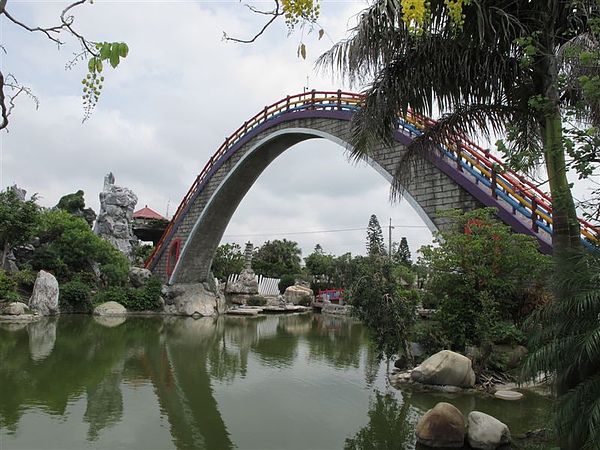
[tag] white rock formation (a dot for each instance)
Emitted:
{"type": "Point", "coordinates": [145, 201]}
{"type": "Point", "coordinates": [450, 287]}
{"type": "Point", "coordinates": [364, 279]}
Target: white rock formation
{"type": "Point", "coordinates": [114, 222]}
{"type": "Point", "coordinates": [485, 432]}
{"type": "Point", "coordinates": [445, 368]}
{"type": "Point", "coordinates": [44, 298]}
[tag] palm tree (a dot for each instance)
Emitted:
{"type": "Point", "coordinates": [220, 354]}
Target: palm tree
{"type": "Point", "coordinates": [496, 72]}
{"type": "Point", "coordinates": [566, 335]}
{"type": "Point", "coordinates": [490, 67]}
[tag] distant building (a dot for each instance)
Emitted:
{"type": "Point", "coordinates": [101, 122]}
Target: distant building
{"type": "Point", "coordinates": [148, 225]}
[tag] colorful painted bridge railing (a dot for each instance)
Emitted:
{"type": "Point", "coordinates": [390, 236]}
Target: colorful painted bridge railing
{"type": "Point", "coordinates": [525, 198]}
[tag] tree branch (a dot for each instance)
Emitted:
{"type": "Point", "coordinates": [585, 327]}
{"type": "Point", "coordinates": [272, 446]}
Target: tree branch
{"type": "Point", "coordinates": [275, 14]}
{"type": "Point", "coordinates": [52, 33]}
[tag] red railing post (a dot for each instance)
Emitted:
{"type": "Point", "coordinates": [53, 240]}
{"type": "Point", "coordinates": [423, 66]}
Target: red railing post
{"type": "Point", "coordinates": [265, 113]}
{"type": "Point", "coordinates": [339, 99]}
{"type": "Point", "coordinates": [287, 103]}
{"type": "Point", "coordinates": [312, 98]}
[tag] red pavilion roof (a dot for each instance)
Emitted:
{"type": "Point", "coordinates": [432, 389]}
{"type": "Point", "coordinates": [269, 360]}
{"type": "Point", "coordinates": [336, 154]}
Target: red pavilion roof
{"type": "Point", "coordinates": [147, 213]}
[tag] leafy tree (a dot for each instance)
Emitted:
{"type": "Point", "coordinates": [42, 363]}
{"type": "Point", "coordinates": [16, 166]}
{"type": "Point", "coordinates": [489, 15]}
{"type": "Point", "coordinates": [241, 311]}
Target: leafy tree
{"type": "Point", "coordinates": [69, 247]}
{"type": "Point", "coordinates": [96, 53]}
{"type": "Point", "coordinates": [380, 302]}
{"type": "Point", "coordinates": [229, 259]}
{"type": "Point", "coordinates": [375, 243]}
{"type": "Point", "coordinates": [482, 272]}
{"type": "Point", "coordinates": [75, 205]}
{"type": "Point", "coordinates": [18, 219]}
{"type": "Point", "coordinates": [277, 258]}
{"type": "Point", "coordinates": [297, 14]}
{"type": "Point", "coordinates": [402, 254]}
{"type": "Point", "coordinates": [322, 267]}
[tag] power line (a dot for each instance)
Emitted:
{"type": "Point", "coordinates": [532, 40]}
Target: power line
{"type": "Point", "coordinates": [293, 233]}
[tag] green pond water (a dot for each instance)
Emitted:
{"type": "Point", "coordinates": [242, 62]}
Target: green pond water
{"type": "Point", "coordinates": [303, 381]}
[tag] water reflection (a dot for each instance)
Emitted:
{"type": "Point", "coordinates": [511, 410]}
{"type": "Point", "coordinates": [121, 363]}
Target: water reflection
{"type": "Point", "coordinates": [390, 425]}
{"type": "Point", "coordinates": [297, 381]}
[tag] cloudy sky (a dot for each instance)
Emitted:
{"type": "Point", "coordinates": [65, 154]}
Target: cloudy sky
{"type": "Point", "coordinates": [171, 103]}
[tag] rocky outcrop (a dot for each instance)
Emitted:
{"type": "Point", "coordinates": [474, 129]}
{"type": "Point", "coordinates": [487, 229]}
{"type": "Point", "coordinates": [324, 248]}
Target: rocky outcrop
{"type": "Point", "coordinates": [245, 284]}
{"type": "Point", "coordinates": [115, 218]}
{"type": "Point", "coordinates": [193, 299]}
{"type": "Point", "coordinates": [44, 299]}
{"type": "Point", "coordinates": [443, 426]}
{"type": "Point", "coordinates": [16, 309]}
{"type": "Point", "coordinates": [485, 432]}
{"type": "Point", "coordinates": [445, 368]}
{"type": "Point", "coordinates": [293, 294]}
{"type": "Point", "coordinates": [110, 309]}
{"type": "Point", "coordinates": [138, 277]}
{"type": "Point", "coordinates": [74, 204]}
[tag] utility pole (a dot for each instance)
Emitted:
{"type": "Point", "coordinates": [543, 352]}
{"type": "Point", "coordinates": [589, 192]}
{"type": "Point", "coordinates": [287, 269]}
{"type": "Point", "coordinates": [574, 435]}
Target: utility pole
{"type": "Point", "coordinates": [390, 240]}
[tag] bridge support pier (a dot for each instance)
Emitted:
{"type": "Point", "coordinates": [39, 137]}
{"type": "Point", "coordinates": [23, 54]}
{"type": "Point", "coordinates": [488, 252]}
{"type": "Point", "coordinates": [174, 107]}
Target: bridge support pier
{"type": "Point", "coordinates": [194, 299]}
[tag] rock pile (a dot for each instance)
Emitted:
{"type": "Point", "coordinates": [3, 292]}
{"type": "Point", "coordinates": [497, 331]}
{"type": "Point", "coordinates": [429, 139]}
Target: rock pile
{"type": "Point", "coordinates": [444, 426]}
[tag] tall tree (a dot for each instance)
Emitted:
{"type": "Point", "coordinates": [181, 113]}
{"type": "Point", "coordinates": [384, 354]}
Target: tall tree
{"type": "Point", "coordinates": [491, 67]}
{"type": "Point", "coordinates": [18, 219]}
{"type": "Point", "coordinates": [402, 255]}
{"type": "Point", "coordinates": [375, 243]}
{"type": "Point", "coordinates": [276, 258]}
{"type": "Point", "coordinates": [229, 259]}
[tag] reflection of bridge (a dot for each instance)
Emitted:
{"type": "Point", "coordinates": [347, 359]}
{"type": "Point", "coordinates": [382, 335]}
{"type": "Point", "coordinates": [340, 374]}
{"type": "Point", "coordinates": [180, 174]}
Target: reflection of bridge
{"type": "Point", "coordinates": [462, 176]}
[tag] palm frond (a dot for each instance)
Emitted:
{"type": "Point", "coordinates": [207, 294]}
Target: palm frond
{"type": "Point", "coordinates": [464, 122]}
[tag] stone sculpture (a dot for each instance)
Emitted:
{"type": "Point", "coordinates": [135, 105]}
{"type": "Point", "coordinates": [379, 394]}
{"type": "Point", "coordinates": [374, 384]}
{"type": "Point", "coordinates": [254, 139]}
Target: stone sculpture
{"type": "Point", "coordinates": [114, 222]}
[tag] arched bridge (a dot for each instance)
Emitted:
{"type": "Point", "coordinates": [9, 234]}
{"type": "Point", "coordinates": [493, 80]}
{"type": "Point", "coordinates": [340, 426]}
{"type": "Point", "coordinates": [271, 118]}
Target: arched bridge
{"type": "Point", "coordinates": [461, 176]}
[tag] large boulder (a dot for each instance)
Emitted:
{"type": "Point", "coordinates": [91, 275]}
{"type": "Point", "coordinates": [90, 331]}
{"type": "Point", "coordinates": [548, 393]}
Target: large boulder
{"type": "Point", "coordinates": [44, 298]}
{"type": "Point", "coordinates": [294, 294]}
{"type": "Point", "coordinates": [110, 309]}
{"type": "Point", "coordinates": [192, 299]}
{"type": "Point", "coordinates": [485, 432]}
{"type": "Point", "coordinates": [245, 284]}
{"type": "Point", "coordinates": [443, 426]}
{"type": "Point", "coordinates": [16, 309]}
{"type": "Point", "coordinates": [445, 368]}
{"type": "Point", "coordinates": [138, 276]}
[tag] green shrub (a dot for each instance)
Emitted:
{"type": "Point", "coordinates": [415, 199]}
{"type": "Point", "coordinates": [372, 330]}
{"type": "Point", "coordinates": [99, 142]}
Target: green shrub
{"type": "Point", "coordinates": [305, 300]}
{"type": "Point", "coordinates": [75, 296]}
{"type": "Point", "coordinates": [505, 332]}
{"type": "Point", "coordinates": [25, 278]}
{"type": "Point", "coordinates": [256, 300]}
{"type": "Point", "coordinates": [429, 300]}
{"type": "Point", "coordinates": [430, 336]}
{"type": "Point", "coordinates": [285, 282]}
{"type": "Point", "coordinates": [147, 298]}
{"type": "Point", "coordinates": [8, 287]}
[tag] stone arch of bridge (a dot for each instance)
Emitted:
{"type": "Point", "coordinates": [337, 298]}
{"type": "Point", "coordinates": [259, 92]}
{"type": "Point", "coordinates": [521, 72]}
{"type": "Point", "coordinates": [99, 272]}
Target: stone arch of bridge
{"type": "Point", "coordinates": [199, 230]}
